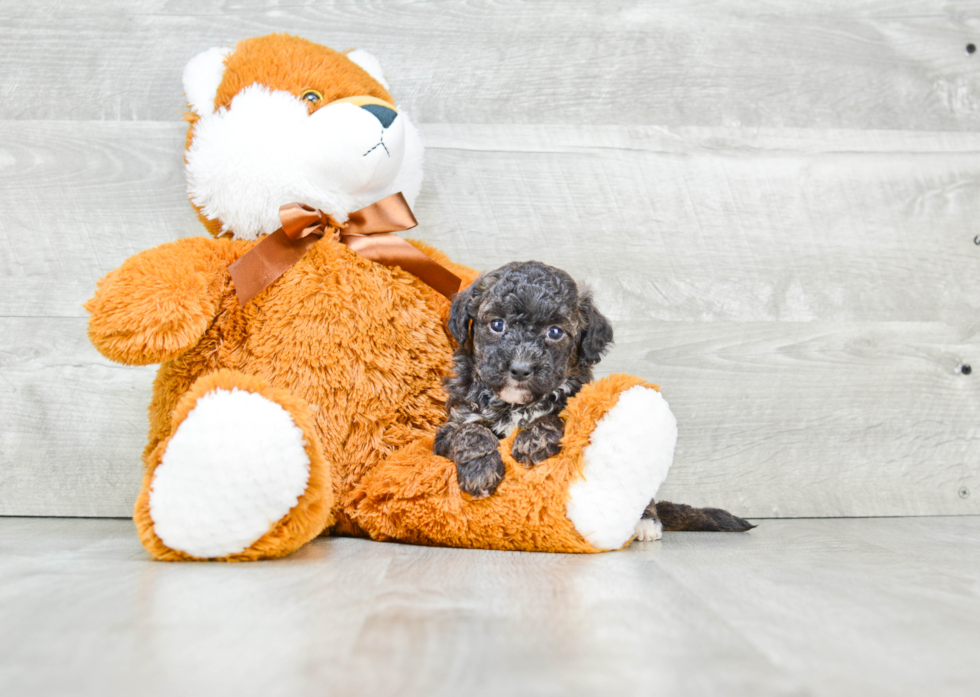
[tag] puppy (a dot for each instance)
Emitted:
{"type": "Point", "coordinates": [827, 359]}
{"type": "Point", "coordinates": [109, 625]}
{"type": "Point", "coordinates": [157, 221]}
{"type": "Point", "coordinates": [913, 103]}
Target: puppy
{"type": "Point", "coordinates": [528, 338]}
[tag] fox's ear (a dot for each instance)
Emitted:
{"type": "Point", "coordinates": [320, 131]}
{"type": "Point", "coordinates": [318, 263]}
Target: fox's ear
{"type": "Point", "coordinates": [202, 75]}
{"type": "Point", "coordinates": [369, 64]}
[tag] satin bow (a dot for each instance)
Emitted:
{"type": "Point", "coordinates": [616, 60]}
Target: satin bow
{"type": "Point", "coordinates": [367, 232]}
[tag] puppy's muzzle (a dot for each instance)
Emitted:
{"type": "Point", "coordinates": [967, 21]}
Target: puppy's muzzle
{"type": "Point", "coordinates": [515, 392]}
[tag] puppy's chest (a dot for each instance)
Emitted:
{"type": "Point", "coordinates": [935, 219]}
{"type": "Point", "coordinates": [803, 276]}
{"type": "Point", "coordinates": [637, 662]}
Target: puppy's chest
{"type": "Point", "coordinates": [504, 419]}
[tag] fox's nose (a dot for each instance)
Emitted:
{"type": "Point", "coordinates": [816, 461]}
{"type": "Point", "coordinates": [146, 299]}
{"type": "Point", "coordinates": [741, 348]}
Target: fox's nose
{"type": "Point", "coordinates": [386, 115]}
{"type": "Point", "coordinates": [520, 370]}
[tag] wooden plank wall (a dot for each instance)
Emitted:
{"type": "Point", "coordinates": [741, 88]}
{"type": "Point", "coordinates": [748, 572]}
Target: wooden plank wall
{"type": "Point", "coordinates": [776, 203]}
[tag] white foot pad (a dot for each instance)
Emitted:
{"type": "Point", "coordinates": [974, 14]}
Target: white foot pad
{"type": "Point", "coordinates": [626, 461]}
{"type": "Point", "coordinates": [235, 466]}
{"type": "Point", "coordinates": [648, 530]}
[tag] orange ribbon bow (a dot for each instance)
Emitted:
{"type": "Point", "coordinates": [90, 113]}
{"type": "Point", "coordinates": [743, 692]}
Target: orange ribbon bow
{"type": "Point", "coordinates": [367, 232]}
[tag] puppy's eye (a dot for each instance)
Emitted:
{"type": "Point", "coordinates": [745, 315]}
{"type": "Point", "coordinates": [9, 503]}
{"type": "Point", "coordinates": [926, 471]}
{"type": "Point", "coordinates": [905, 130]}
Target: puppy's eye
{"type": "Point", "coordinates": [497, 326]}
{"type": "Point", "coordinates": [311, 97]}
{"type": "Point", "coordinates": [555, 333]}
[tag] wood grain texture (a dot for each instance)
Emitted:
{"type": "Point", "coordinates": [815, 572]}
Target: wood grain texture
{"type": "Point", "coordinates": [77, 199]}
{"type": "Point", "coordinates": [822, 608]}
{"type": "Point", "coordinates": [823, 419]}
{"type": "Point", "coordinates": [838, 425]}
{"type": "Point", "coordinates": [453, 624]}
{"type": "Point", "coordinates": [706, 224]}
{"type": "Point", "coordinates": [719, 225]}
{"type": "Point", "coordinates": [73, 424]}
{"type": "Point", "coordinates": [776, 206]}
{"type": "Point", "coordinates": [805, 419]}
{"type": "Point", "coordinates": [850, 608]}
{"type": "Point", "coordinates": [872, 64]}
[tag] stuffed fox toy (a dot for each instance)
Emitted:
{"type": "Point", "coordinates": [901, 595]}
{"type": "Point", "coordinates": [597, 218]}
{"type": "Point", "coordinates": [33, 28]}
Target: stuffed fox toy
{"type": "Point", "coordinates": [311, 408]}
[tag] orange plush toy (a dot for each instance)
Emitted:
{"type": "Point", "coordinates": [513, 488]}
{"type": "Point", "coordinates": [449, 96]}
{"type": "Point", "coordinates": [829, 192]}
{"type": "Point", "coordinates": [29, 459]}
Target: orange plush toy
{"type": "Point", "coordinates": [311, 407]}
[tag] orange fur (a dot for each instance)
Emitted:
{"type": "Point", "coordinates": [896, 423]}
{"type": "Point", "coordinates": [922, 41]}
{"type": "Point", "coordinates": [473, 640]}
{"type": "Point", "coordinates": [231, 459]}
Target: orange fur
{"type": "Point", "coordinates": [179, 285]}
{"type": "Point", "coordinates": [354, 351]}
{"type": "Point", "coordinates": [304, 522]}
{"type": "Point", "coordinates": [414, 497]}
{"type": "Point", "coordinates": [292, 64]}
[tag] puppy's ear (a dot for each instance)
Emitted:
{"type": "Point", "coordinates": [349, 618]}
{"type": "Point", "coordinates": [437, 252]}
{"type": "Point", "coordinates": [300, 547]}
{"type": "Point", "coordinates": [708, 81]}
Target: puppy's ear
{"type": "Point", "coordinates": [460, 314]}
{"type": "Point", "coordinates": [596, 335]}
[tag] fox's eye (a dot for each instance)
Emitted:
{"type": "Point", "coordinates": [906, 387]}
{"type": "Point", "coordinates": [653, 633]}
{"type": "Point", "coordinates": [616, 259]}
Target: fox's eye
{"type": "Point", "coordinates": [311, 97]}
{"type": "Point", "coordinates": [497, 326]}
{"type": "Point", "coordinates": [555, 333]}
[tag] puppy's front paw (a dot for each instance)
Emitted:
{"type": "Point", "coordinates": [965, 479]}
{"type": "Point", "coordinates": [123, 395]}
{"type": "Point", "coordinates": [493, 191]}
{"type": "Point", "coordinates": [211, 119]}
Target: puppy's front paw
{"type": "Point", "coordinates": [539, 441]}
{"type": "Point", "coordinates": [473, 447]}
{"type": "Point", "coordinates": [480, 476]}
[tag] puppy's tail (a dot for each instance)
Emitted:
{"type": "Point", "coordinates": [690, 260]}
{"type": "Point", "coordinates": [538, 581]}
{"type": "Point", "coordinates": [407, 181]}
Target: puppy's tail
{"type": "Point", "coordinates": [680, 516]}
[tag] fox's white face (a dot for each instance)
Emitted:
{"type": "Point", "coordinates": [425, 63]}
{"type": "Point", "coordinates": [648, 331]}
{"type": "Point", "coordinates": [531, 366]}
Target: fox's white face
{"type": "Point", "coordinates": [266, 149]}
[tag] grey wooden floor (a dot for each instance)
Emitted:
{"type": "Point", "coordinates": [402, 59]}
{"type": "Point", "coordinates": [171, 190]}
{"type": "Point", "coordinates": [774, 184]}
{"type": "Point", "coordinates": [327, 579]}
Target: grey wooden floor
{"type": "Point", "coordinates": [860, 607]}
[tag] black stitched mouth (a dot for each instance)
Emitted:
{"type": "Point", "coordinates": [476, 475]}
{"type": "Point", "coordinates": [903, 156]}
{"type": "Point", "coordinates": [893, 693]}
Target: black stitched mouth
{"type": "Point", "coordinates": [381, 143]}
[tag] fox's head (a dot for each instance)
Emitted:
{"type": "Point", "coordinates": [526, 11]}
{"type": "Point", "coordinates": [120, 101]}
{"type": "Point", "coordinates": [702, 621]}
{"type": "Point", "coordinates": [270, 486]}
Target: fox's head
{"type": "Point", "coordinates": [279, 119]}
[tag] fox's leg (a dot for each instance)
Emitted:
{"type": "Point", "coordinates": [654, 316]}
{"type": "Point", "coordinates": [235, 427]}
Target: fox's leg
{"type": "Point", "coordinates": [240, 477]}
{"type": "Point", "coordinates": [616, 451]}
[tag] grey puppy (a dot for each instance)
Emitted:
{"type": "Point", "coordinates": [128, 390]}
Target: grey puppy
{"type": "Point", "coordinates": [527, 340]}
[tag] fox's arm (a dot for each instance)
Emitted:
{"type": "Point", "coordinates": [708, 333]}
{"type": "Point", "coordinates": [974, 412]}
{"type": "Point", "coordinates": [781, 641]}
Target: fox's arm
{"type": "Point", "coordinates": [161, 301]}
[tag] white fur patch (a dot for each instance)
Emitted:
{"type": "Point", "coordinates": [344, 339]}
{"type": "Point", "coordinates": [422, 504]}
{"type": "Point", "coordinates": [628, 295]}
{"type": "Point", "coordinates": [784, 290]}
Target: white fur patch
{"type": "Point", "coordinates": [370, 64]}
{"type": "Point", "coordinates": [202, 76]}
{"type": "Point", "coordinates": [236, 465]}
{"type": "Point", "coordinates": [648, 530]}
{"type": "Point", "coordinates": [626, 461]}
{"type": "Point", "coordinates": [514, 395]}
{"type": "Point", "coordinates": [266, 149]}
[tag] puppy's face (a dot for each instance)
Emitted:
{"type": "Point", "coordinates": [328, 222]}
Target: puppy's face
{"type": "Point", "coordinates": [527, 328]}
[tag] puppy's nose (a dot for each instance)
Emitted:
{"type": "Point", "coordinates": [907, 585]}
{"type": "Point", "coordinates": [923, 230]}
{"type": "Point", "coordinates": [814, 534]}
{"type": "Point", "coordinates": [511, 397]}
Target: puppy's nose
{"type": "Point", "coordinates": [386, 115]}
{"type": "Point", "coordinates": [520, 370]}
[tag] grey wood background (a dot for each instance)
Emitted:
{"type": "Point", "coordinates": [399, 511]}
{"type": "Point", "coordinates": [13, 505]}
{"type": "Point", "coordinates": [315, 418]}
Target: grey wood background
{"type": "Point", "coordinates": [776, 203]}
